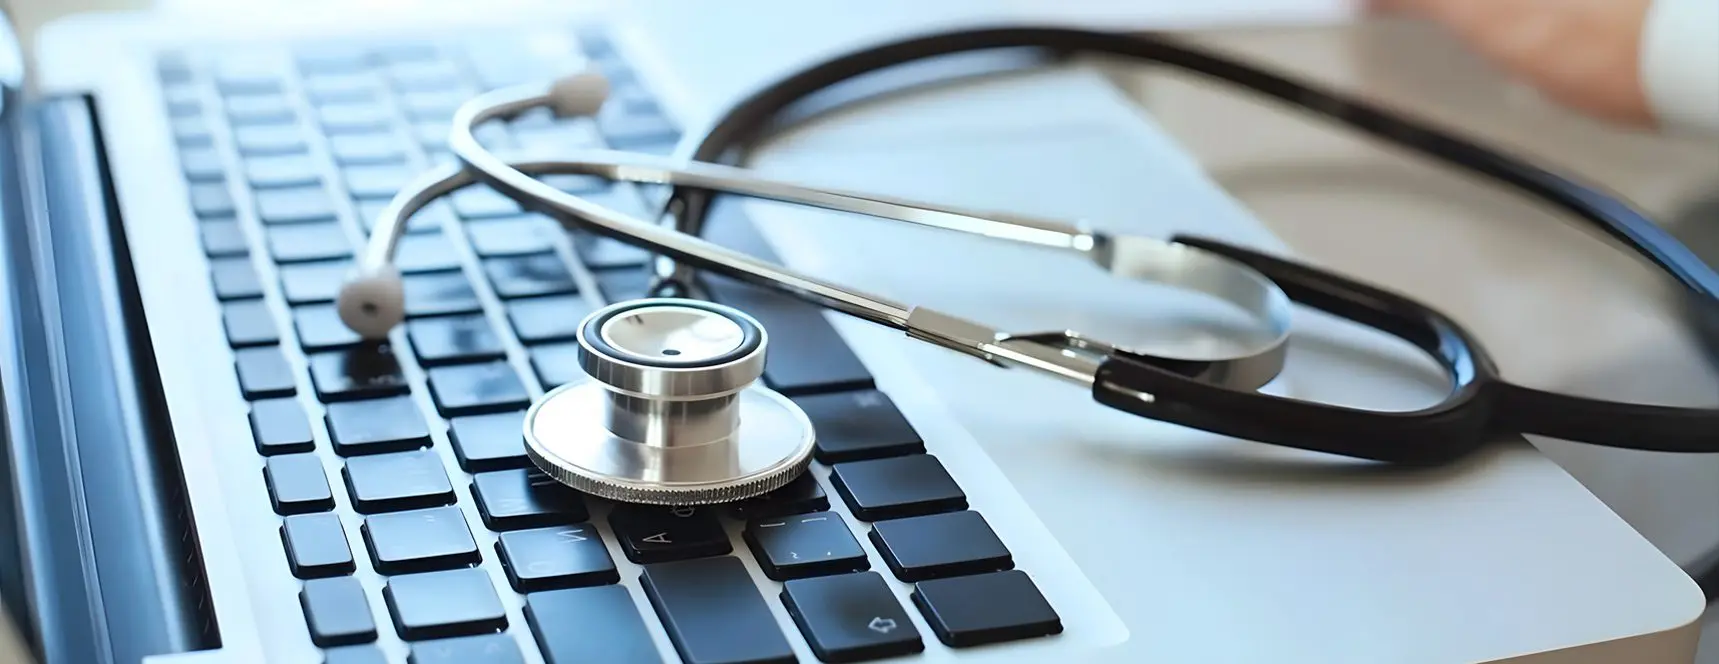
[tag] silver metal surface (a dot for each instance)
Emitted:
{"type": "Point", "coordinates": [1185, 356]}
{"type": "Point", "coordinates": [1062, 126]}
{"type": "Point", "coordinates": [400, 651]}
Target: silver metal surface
{"type": "Point", "coordinates": [670, 412]}
{"type": "Point", "coordinates": [1065, 354]}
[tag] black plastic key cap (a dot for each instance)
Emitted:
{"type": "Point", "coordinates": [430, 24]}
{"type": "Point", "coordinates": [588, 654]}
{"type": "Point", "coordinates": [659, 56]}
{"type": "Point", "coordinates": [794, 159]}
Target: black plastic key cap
{"type": "Point", "coordinates": [279, 426]}
{"type": "Point", "coordinates": [936, 545]}
{"type": "Point", "coordinates": [439, 293]}
{"type": "Point", "coordinates": [297, 484]}
{"type": "Point", "coordinates": [897, 487]}
{"type": "Point", "coordinates": [556, 364]}
{"type": "Point", "coordinates": [360, 654]}
{"type": "Point", "coordinates": [424, 252]}
{"type": "Point", "coordinates": [436, 605]}
{"type": "Point", "coordinates": [602, 253]}
{"type": "Point", "coordinates": [211, 200]}
{"type": "Point", "coordinates": [851, 617]}
{"type": "Point", "coordinates": [541, 319]}
{"type": "Point", "coordinates": [343, 117]}
{"type": "Point", "coordinates": [264, 372]}
{"type": "Point", "coordinates": [624, 284]}
{"type": "Point", "coordinates": [806, 545]}
{"type": "Point", "coordinates": [420, 541]}
{"type": "Point", "coordinates": [526, 276]}
{"type": "Point", "coordinates": [492, 441]}
{"type": "Point", "coordinates": [800, 496]}
{"type": "Point", "coordinates": [337, 612]}
{"type": "Point", "coordinates": [468, 389]}
{"type": "Point", "coordinates": [521, 498]}
{"type": "Point", "coordinates": [316, 545]}
{"type": "Point", "coordinates": [222, 237]}
{"type": "Point", "coordinates": [654, 534]}
{"type": "Point", "coordinates": [319, 328]}
{"type": "Point", "coordinates": [454, 340]}
{"type": "Point", "coordinates": [552, 558]}
{"type": "Point", "coordinates": [367, 148]}
{"type": "Point", "coordinates": [713, 612]}
{"type": "Point", "coordinates": [249, 323]}
{"type": "Point", "coordinates": [294, 205]}
{"type": "Point", "coordinates": [479, 202]}
{"type": "Point", "coordinates": [364, 371]}
{"type": "Point", "coordinates": [284, 170]}
{"type": "Point", "coordinates": [377, 426]}
{"type": "Point", "coordinates": [480, 649]}
{"type": "Point", "coordinates": [513, 236]}
{"type": "Point", "coordinates": [397, 481]}
{"type": "Point", "coordinates": [806, 354]}
{"type": "Point", "coordinates": [248, 109]}
{"type": "Point", "coordinates": [376, 180]}
{"type": "Point", "coordinates": [312, 241]}
{"type": "Point", "coordinates": [272, 139]}
{"type": "Point", "coordinates": [862, 424]}
{"type": "Point", "coordinates": [428, 220]}
{"type": "Point", "coordinates": [966, 611]}
{"type": "Point", "coordinates": [311, 283]}
{"type": "Point", "coordinates": [594, 624]}
{"type": "Point", "coordinates": [202, 164]}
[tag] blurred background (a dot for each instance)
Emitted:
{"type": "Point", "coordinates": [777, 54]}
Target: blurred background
{"type": "Point", "coordinates": [1559, 308]}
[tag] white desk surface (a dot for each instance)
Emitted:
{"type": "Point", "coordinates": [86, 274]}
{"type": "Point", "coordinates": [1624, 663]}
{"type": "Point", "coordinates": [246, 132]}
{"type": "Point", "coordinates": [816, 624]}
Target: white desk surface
{"type": "Point", "coordinates": [1522, 279]}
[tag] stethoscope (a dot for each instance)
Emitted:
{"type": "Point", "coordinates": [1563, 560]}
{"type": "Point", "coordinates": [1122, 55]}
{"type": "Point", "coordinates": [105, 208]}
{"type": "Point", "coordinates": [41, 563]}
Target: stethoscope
{"type": "Point", "coordinates": [672, 411]}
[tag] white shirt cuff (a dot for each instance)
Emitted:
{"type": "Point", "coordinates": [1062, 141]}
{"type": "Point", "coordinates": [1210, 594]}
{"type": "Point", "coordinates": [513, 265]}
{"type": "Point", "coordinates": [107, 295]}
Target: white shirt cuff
{"type": "Point", "coordinates": [1680, 64]}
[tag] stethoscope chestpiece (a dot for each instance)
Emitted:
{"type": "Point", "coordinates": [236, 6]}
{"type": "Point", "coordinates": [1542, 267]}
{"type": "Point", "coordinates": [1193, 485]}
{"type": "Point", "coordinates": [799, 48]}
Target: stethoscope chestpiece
{"type": "Point", "coordinates": [671, 411]}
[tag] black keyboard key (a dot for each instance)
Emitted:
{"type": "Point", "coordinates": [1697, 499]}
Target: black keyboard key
{"type": "Point", "coordinates": [454, 340]}
{"type": "Point", "coordinates": [313, 283]}
{"type": "Point", "coordinates": [896, 487]}
{"type": "Point", "coordinates": [432, 136]}
{"type": "Point", "coordinates": [211, 200]}
{"type": "Point", "coordinates": [525, 276]}
{"type": "Point", "coordinates": [365, 371]}
{"type": "Point", "coordinates": [428, 220]}
{"type": "Point", "coordinates": [297, 484]}
{"type": "Point", "coordinates": [234, 279]}
{"type": "Point", "coordinates": [851, 617]}
{"type": "Point", "coordinates": [264, 372]}
{"type": "Point", "coordinates": [513, 236]}
{"type": "Point", "coordinates": [397, 481]}
{"type": "Point", "coordinates": [341, 87]}
{"type": "Point", "coordinates": [367, 148]}
{"type": "Point", "coordinates": [477, 202]}
{"type": "Point", "coordinates": [493, 441]}
{"type": "Point", "coordinates": [377, 426]}
{"type": "Point", "coordinates": [480, 649]}
{"type": "Point", "coordinates": [862, 424]}
{"type": "Point", "coordinates": [360, 654]}
{"type": "Point", "coordinates": [356, 116]}
{"type": "Point", "coordinates": [268, 140]}
{"type": "Point", "coordinates": [520, 498]}
{"type": "Point", "coordinates": [222, 238]}
{"type": "Point", "coordinates": [426, 253]}
{"type": "Point", "coordinates": [377, 180]}
{"type": "Point", "coordinates": [654, 534]}
{"type": "Point", "coordinates": [541, 319]}
{"type": "Point", "coordinates": [433, 104]}
{"type": "Point", "coordinates": [316, 545]}
{"type": "Point", "coordinates": [439, 293]}
{"type": "Point", "coordinates": [624, 127]}
{"type": "Point", "coordinates": [294, 205]}
{"type": "Point", "coordinates": [806, 353]}
{"type": "Point", "coordinates": [713, 612]}
{"type": "Point", "coordinates": [436, 605]}
{"type": "Point", "coordinates": [319, 328]}
{"type": "Point", "coordinates": [801, 496]}
{"type": "Point", "coordinates": [249, 323]}
{"type": "Point", "coordinates": [966, 611]}
{"type": "Point", "coordinates": [286, 170]}
{"type": "Point", "coordinates": [468, 389]}
{"type": "Point", "coordinates": [624, 284]}
{"type": "Point", "coordinates": [556, 364]}
{"type": "Point", "coordinates": [595, 624]}
{"type": "Point", "coordinates": [937, 545]}
{"type": "Point", "coordinates": [420, 541]}
{"type": "Point", "coordinates": [806, 545]}
{"type": "Point", "coordinates": [552, 558]}
{"type": "Point", "coordinates": [601, 253]}
{"type": "Point", "coordinates": [192, 131]}
{"type": "Point", "coordinates": [337, 612]}
{"type": "Point", "coordinates": [313, 241]}
{"type": "Point", "coordinates": [246, 109]}
{"type": "Point", "coordinates": [426, 74]}
{"type": "Point", "coordinates": [202, 164]}
{"type": "Point", "coordinates": [279, 426]}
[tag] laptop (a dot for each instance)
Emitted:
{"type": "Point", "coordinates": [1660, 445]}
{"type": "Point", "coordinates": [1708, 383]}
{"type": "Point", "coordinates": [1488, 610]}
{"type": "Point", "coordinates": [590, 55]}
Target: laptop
{"type": "Point", "coordinates": [209, 468]}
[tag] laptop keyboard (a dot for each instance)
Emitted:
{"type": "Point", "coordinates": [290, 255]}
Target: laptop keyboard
{"type": "Point", "coordinates": [398, 471]}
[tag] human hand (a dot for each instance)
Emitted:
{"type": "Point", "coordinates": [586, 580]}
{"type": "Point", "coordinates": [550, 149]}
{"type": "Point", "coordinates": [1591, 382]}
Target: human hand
{"type": "Point", "coordinates": [1585, 54]}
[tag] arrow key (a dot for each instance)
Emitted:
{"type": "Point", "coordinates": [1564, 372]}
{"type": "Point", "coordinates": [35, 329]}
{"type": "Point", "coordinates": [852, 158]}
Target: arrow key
{"type": "Point", "coordinates": [851, 617]}
{"type": "Point", "coordinates": [804, 545]}
{"type": "Point", "coordinates": [655, 534]}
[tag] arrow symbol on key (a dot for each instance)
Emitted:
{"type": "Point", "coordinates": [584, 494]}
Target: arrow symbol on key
{"type": "Point", "coordinates": [882, 625]}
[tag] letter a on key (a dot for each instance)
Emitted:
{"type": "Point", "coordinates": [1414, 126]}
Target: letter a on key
{"type": "Point", "coordinates": [659, 538]}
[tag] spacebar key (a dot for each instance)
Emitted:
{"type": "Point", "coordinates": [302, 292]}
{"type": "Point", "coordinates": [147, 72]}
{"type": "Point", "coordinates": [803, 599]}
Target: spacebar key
{"type": "Point", "coordinates": [714, 613]}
